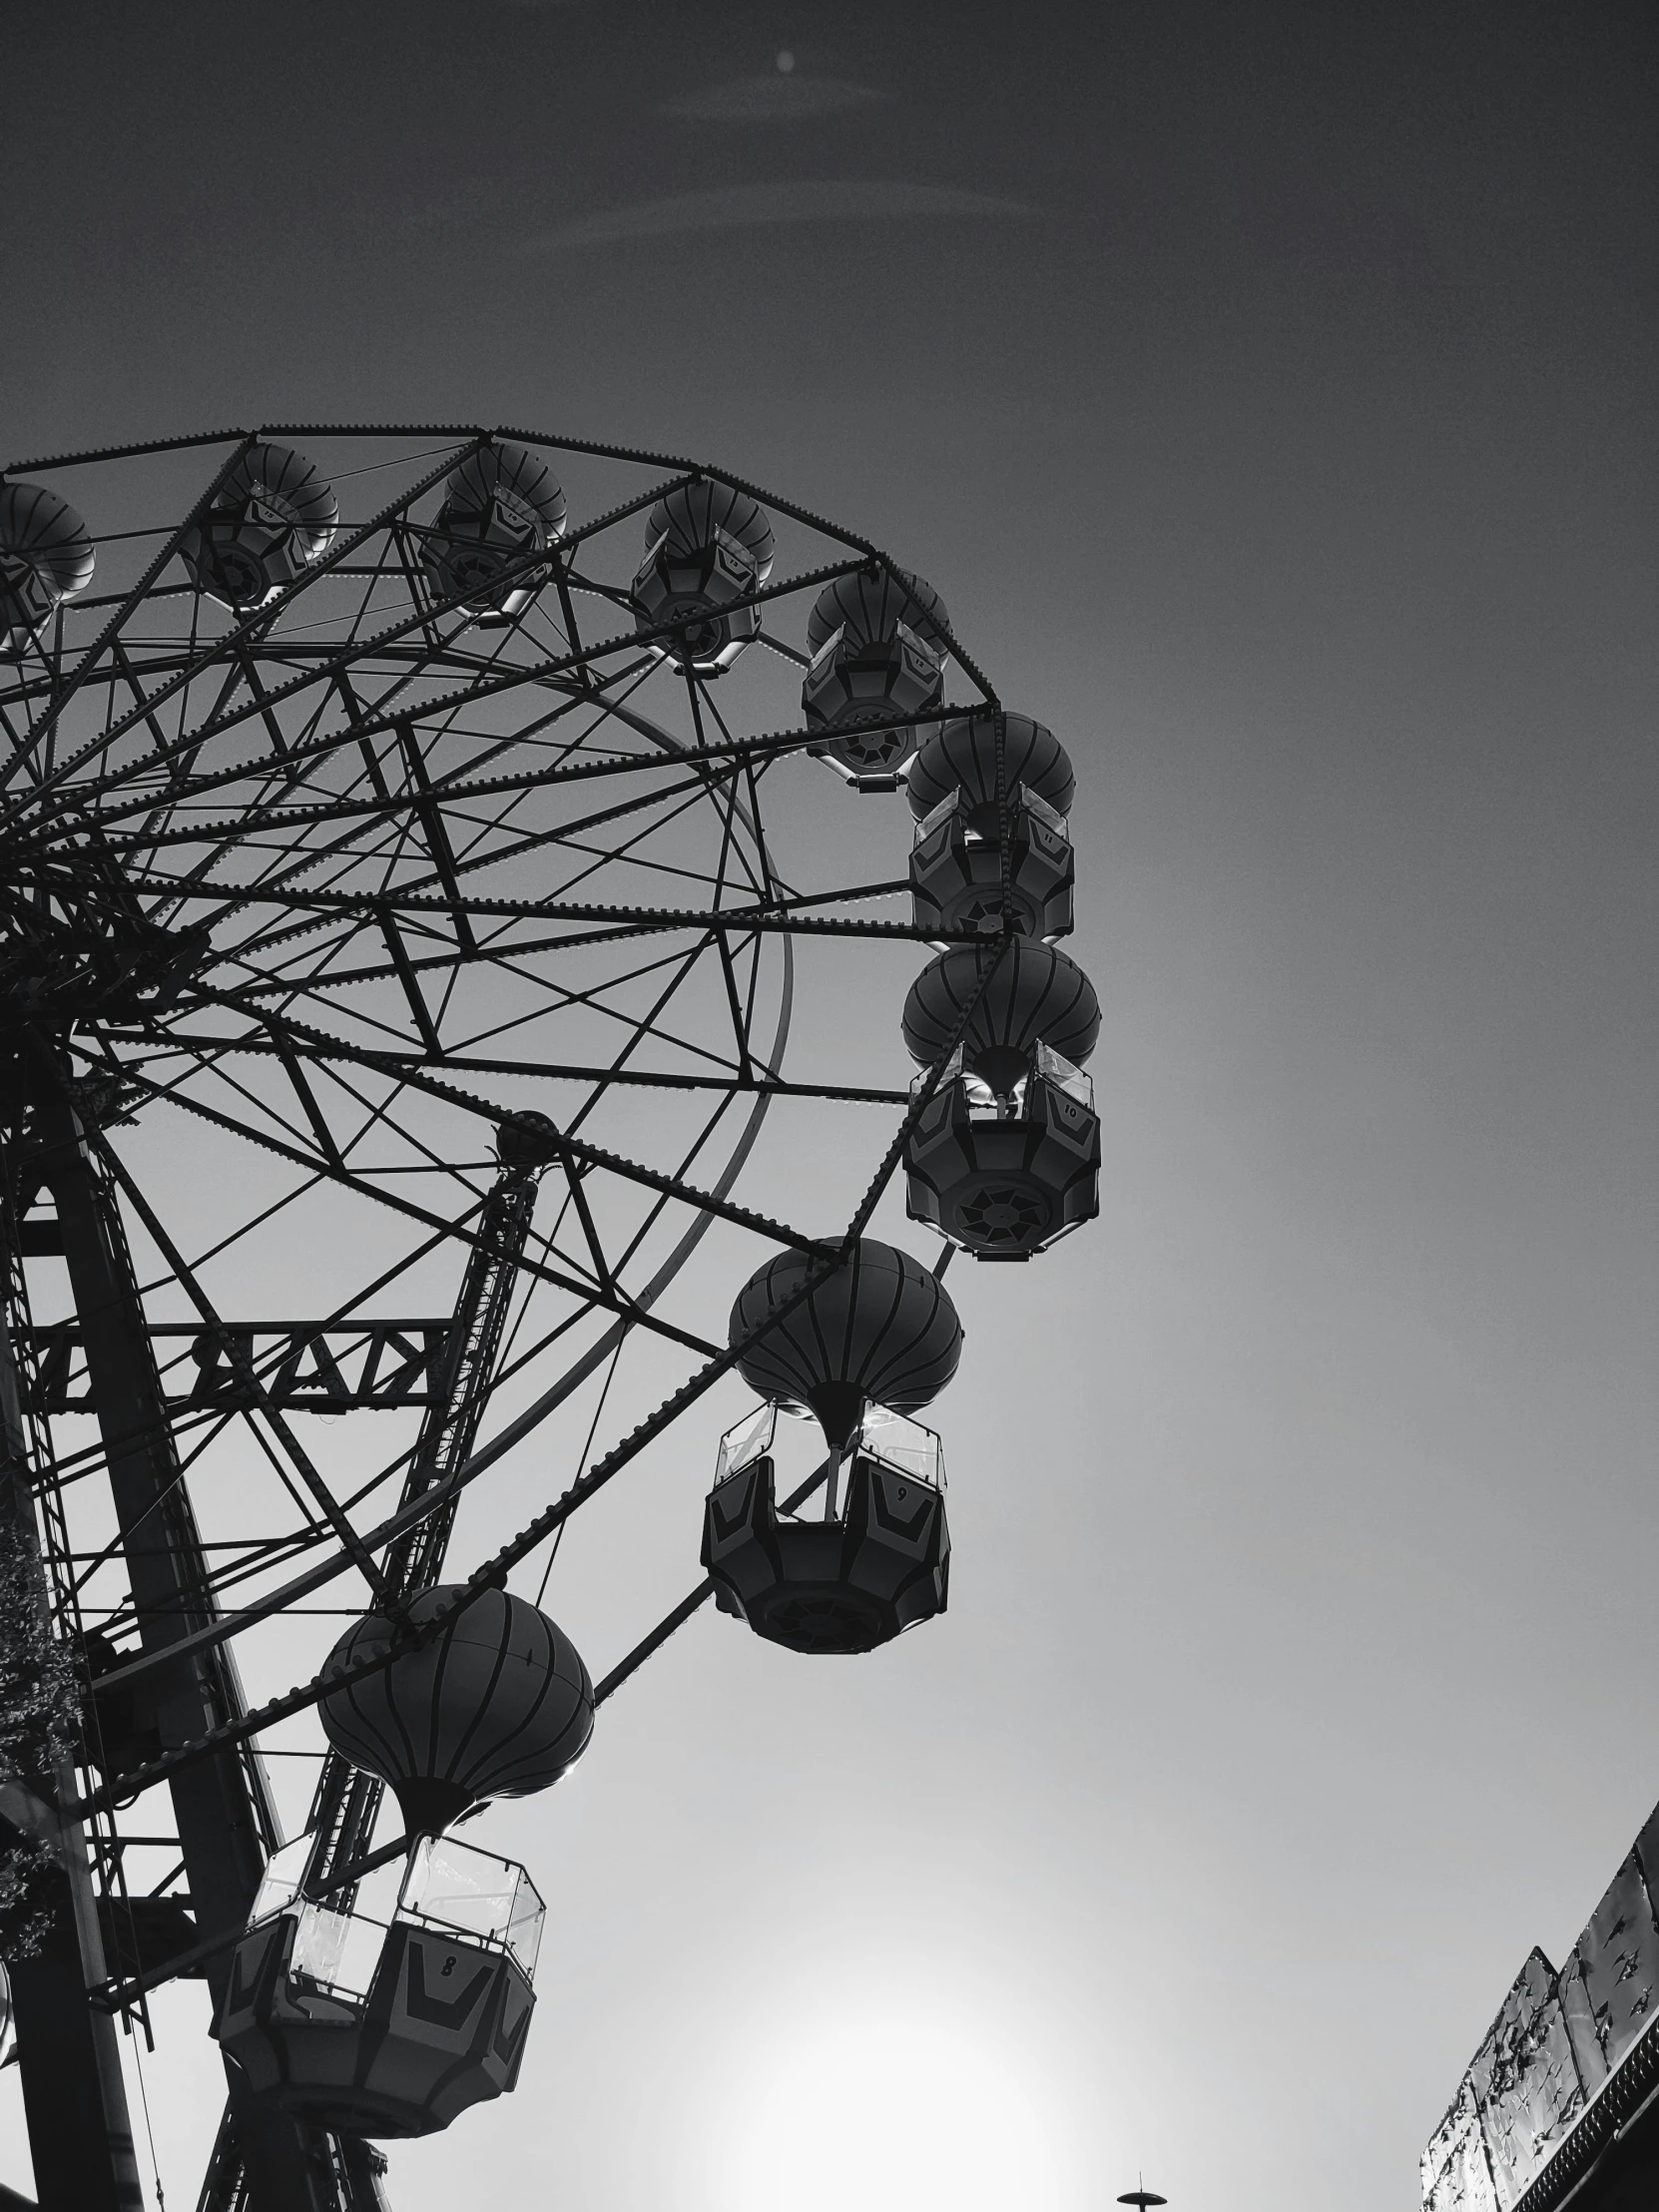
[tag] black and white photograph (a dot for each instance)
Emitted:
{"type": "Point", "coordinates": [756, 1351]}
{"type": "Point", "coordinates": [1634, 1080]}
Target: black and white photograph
{"type": "Point", "coordinates": [829, 1106]}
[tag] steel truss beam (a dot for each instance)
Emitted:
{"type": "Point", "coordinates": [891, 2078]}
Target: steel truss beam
{"type": "Point", "coordinates": [743, 752]}
{"type": "Point", "coordinates": [74, 2097]}
{"type": "Point", "coordinates": [375, 724]}
{"type": "Point", "coordinates": [347, 1802]}
{"type": "Point", "coordinates": [493, 1573]}
{"type": "Point", "coordinates": [304, 1367]}
{"type": "Point", "coordinates": [104, 1360]}
{"type": "Point", "coordinates": [226, 1823]}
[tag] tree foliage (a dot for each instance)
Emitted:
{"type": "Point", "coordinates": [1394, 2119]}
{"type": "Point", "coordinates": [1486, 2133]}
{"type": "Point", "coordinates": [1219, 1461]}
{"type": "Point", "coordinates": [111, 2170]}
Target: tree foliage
{"type": "Point", "coordinates": [39, 1717]}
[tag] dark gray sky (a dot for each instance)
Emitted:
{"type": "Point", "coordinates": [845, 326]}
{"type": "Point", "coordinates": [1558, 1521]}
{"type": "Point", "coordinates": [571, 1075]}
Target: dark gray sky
{"type": "Point", "coordinates": [1269, 393]}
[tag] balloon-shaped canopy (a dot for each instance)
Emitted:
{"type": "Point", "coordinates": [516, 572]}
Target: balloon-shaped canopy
{"type": "Point", "coordinates": [960, 756]}
{"type": "Point", "coordinates": [276, 485]}
{"type": "Point", "coordinates": [45, 548]}
{"type": "Point", "coordinates": [868, 607]}
{"type": "Point", "coordinates": [880, 1331]}
{"type": "Point", "coordinates": [1035, 996]}
{"type": "Point", "coordinates": [689, 519]}
{"type": "Point", "coordinates": [513, 481]}
{"type": "Point", "coordinates": [496, 1704]}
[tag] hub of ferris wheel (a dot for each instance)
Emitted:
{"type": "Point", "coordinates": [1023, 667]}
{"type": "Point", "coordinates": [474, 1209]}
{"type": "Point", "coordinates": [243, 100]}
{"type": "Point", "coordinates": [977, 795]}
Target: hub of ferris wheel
{"type": "Point", "coordinates": [302, 812]}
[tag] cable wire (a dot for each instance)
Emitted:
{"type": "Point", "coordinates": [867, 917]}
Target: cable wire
{"type": "Point", "coordinates": [582, 1463]}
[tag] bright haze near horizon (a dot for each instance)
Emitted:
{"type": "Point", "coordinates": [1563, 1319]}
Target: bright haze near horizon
{"type": "Point", "coordinates": [1268, 390]}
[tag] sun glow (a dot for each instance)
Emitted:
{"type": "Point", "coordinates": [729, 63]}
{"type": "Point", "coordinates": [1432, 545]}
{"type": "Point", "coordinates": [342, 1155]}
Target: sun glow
{"type": "Point", "coordinates": [898, 2112]}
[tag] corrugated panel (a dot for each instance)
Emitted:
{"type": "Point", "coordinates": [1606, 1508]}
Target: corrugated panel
{"type": "Point", "coordinates": [1456, 2174]}
{"type": "Point", "coordinates": [1579, 2015]}
{"type": "Point", "coordinates": [1551, 2050]}
{"type": "Point", "coordinates": [1616, 1961]}
{"type": "Point", "coordinates": [1525, 2080]}
{"type": "Point", "coordinates": [1647, 1852]}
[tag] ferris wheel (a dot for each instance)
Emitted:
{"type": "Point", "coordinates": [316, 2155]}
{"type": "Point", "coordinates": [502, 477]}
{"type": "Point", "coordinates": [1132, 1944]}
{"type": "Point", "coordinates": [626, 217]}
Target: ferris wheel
{"type": "Point", "coordinates": [424, 955]}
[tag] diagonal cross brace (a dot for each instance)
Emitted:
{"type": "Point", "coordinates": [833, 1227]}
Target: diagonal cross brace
{"type": "Point", "coordinates": [493, 1573]}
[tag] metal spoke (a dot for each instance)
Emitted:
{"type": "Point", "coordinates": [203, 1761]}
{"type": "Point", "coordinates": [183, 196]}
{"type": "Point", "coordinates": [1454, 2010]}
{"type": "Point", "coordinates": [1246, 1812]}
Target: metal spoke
{"type": "Point", "coordinates": [347, 862]}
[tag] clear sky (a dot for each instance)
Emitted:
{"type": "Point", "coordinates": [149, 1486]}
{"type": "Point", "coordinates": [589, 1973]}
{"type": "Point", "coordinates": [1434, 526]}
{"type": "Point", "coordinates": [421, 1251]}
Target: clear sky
{"type": "Point", "coordinates": [1268, 391]}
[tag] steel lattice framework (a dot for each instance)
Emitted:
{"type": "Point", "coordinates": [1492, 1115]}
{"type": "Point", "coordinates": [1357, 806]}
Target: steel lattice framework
{"type": "Point", "coordinates": [361, 958]}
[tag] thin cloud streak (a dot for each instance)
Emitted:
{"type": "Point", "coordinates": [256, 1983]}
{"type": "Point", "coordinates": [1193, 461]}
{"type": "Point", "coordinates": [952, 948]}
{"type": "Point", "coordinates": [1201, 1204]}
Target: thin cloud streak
{"type": "Point", "coordinates": [739, 207]}
{"type": "Point", "coordinates": [776, 97]}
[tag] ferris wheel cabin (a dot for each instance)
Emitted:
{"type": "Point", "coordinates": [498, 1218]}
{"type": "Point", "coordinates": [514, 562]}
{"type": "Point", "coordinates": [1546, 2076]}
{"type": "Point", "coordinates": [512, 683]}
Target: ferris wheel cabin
{"type": "Point", "coordinates": [876, 641]}
{"type": "Point", "coordinates": [1004, 1156]}
{"type": "Point", "coordinates": [867, 1566]}
{"type": "Point", "coordinates": [388, 2008]}
{"type": "Point", "coordinates": [46, 557]}
{"type": "Point", "coordinates": [271, 518]}
{"type": "Point", "coordinates": [286, 775]}
{"type": "Point", "coordinates": [501, 507]}
{"type": "Point", "coordinates": [871, 1343]}
{"type": "Point", "coordinates": [958, 879]}
{"type": "Point", "coordinates": [707, 548]}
